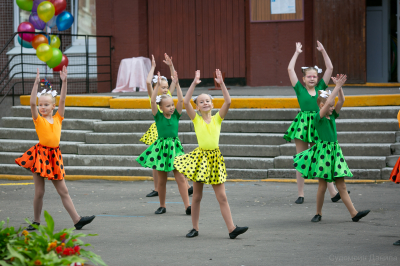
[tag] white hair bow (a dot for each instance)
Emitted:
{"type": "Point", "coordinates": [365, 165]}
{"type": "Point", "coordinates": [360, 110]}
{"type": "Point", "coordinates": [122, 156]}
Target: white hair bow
{"type": "Point", "coordinates": [155, 78]}
{"type": "Point", "coordinates": [52, 92]}
{"type": "Point", "coordinates": [158, 99]}
{"type": "Point", "coordinates": [325, 94]}
{"type": "Point", "coordinates": [319, 70]}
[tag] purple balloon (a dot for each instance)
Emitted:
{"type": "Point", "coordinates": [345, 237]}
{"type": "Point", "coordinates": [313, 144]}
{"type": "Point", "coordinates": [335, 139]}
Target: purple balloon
{"type": "Point", "coordinates": [36, 3]}
{"type": "Point", "coordinates": [36, 21]}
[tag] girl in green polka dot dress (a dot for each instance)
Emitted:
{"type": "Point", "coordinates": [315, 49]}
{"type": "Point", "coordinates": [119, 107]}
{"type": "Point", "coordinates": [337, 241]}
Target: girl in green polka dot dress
{"type": "Point", "coordinates": [161, 154]}
{"type": "Point", "coordinates": [325, 160]}
{"type": "Point", "coordinates": [302, 129]}
{"type": "Point", "coordinates": [205, 165]}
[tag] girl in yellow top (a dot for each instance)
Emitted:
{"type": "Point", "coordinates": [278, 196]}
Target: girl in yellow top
{"type": "Point", "coordinates": [152, 135]}
{"type": "Point", "coordinates": [45, 158]}
{"type": "Point", "coordinates": [205, 165]}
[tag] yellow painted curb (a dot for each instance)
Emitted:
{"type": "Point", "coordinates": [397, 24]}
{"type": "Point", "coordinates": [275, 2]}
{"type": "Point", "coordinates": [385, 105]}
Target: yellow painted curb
{"type": "Point", "coordinates": [149, 178]}
{"type": "Point", "coordinates": [16, 184]}
{"type": "Point", "coordinates": [82, 101]}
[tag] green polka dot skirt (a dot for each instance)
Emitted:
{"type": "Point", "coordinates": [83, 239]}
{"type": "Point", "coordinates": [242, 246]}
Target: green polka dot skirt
{"type": "Point", "coordinates": [324, 160]}
{"type": "Point", "coordinates": [204, 166]}
{"type": "Point", "coordinates": [161, 154]}
{"type": "Point", "coordinates": [151, 135]}
{"type": "Point", "coordinates": [302, 128]}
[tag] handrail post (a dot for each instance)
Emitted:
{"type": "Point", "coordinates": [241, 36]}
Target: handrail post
{"type": "Point", "coordinates": [22, 66]}
{"type": "Point", "coordinates": [13, 95]}
{"type": "Point", "coordinates": [87, 63]}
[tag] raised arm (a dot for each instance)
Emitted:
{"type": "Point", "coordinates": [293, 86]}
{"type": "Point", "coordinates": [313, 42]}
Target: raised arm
{"type": "Point", "coordinates": [189, 108]}
{"type": "Point", "coordinates": [179, 105]}
{"type": "Point", "coordinates": [328, 63]}
{"type": "Point", "coordinates": [292, 63]}
{"type": "Point", "coordinates": [154, 107]}
{"type": "Point", "coordinates": [341, 100]}
{"type": "Point", "coordinates": [168, 61]}
{"type": "Point", "coordinates": [331, 98]}
{"type": "Point", "coordinates": [63, 95]}
{"type": "Point", "coordinates": [227, 98]}
{"type": "Point", "coordinates": [33, 99]}
{"type": "Point", "coordinates": [150, 76]}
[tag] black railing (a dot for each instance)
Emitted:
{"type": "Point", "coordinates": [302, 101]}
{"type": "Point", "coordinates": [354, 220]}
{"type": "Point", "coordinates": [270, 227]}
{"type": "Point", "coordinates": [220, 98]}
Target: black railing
{"type": "Point", "coordinates": [85, 69]}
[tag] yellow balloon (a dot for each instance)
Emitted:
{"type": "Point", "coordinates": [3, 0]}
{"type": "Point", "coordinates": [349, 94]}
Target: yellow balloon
{"type": "Point", "coordinates": [44, 52]}
{"type": "Point", "coordinates": [55, 41]}
{"type": "Point", "coordinates": [46, 11]}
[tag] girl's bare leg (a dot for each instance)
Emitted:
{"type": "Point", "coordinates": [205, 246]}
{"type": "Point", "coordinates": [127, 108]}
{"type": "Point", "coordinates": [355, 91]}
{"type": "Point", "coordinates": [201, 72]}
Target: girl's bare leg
{"type": "Point", "coordinates": [162, 187]}
{"type": "Point", "coordinates": [300, 147]}
{"type": "Point", "coordinates": [341, 186]}
{"type": "Point", "coordinates": [224, 206]}
{"type": "Point", "coordinates": [321, 195]}
{"type": "Point", "coordinates": [62, 190]}
{"type": "Point", "coordinates": [187, 183]}
{"type": "Point", "coordinates": [155, 179]}
{"type": "Point", "coordinates": [182, 186]}
{"type": "Point", "coordinates": [38, 198]}
{"type": "Point", "coordinates": [332, 190]}
{"type": "Point", "coordinates": [197, 195]}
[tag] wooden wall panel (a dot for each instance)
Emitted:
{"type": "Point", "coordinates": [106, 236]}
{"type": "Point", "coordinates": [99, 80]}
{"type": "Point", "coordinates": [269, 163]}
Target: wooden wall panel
{"type": "Point", "coordinates": [342, 32]}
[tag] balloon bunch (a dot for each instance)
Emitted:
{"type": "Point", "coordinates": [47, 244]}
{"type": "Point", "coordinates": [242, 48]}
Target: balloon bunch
{"type": "Point", "coordinates": [44, 13]}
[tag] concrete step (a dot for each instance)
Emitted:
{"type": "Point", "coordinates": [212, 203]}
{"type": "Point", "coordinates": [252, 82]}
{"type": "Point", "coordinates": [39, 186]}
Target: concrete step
{"type": "Point", "coordinates": [108, 114]}
{"type": "Point", "coordinates": [395, 148]}
{"type": "Point", "coordinates": [27, 122]}
{"type": "Point", "coordinates": [354, 162]}
{"type": "Point", "coordinates": [136, 149]}
{"type": "Point", "coordinates": [30, 134]}
{"type": "Point", "coordinates": [386, 173]}
{"type": "Point", "coordinates": [22, 146]}
{"type": "Point", "coordinates": [349, 149]}
{"type": "Point", "coordinates": [391, 160]}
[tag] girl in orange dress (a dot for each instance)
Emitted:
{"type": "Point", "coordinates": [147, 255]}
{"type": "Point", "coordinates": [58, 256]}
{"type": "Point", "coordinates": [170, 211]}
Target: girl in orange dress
{"type": "Point", "coordinates": [45, 158]}
{"type": "Point", "coordinates": [395, 175]}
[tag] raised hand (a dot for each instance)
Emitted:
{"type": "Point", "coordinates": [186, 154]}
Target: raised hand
{"type": "Point", "coordinates": [168, 60]}
{"type": "Point", "coordinates": [63, 74]}
{"type": "Point", "coordinates": [298, 47]}
{"type": "Point", "coordinates": [153, 61]}
{"type": "Point", "coordinates": [37, 80]}
{"type": "Point", "coordinates": [339, 80]}
{"type": "Point", "coordinates": [335, 78]}
{"type": "Point", "coordinates": [320, 47]}
{"type": "Point", "coordinates": [175, 77]}
{"type": "Point", "coordinates": [219, 78]}
{"type": "Point", "coordinates": [197, 77]}
{"type": "Point", "coordinates": [159, 78]}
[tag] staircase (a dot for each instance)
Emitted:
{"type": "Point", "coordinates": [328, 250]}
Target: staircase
{"type": "Point", "coordinates": [105, 142]}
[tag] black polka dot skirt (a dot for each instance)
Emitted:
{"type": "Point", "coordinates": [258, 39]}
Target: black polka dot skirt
{"type": "Point", "coordinates": [302, 128]}
{"type": "Point", "coordinates": [395, 175]}
{"type": "Point", "coordinates": [45, 161]}
{"type": "Point", "coordinates": [161, 154]}
{"type": "Point", "coordinates": [204, 166]}
{"type": "Point", "coordinates": [151, 135]}
{"type": "Point", "coordinates": [324, 160]}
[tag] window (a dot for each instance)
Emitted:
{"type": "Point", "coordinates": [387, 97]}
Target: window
{"type": "Point", "coordinates": [84, 12]}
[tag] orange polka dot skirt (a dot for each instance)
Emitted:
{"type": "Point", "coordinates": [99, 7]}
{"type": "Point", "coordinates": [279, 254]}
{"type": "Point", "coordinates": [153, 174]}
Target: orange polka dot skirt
{"type": "Point", "coordinates": [204, 166]}
{"type": "Point", "coordinates": [45, 161]}
{"type": "Point", "coordinates": [395, 175]}
{"type": "Point", "coordinates": [151, 135]}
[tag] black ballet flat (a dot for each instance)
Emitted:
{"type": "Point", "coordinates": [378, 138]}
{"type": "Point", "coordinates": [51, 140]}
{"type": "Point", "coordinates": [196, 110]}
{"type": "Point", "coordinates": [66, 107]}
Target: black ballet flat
{"type": "Point", "coordinates": [192, 233]}
{"type": "Point", "coordinates": [161, 210]}
{"type": "Point", "coordinates": [360, 215]}
{"type": "Point", "coordinates": [84, 221]}
{"type": "Point", "coordinates": [152, 194]}
{"type": "Point", "coordinates": [31, 228]}
{"type": "Point", "coordinates": [189, 210]}
{"type": "Point", "coordinates": [317, 218]}
{"type": "Point", "coordinates": [299, 200]}
{"type": "Point", "coordinates": [397, 243]}
{"type": "Point", "coordinates": [337, 197]}
{"type": "Point", "coordinates": [238, 231]}
{"type": "Point", "coordinates": [190, 190]}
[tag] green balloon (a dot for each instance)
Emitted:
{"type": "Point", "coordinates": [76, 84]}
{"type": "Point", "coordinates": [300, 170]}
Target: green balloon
{"type": "Point", "coordinates": [56, 59]}
{"type": "Point", "coordinates": [25, 4]}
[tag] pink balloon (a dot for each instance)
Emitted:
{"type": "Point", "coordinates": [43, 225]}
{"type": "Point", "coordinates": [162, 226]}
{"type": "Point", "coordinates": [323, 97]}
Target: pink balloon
{"type": "Point", "coordinates": [26, 26]}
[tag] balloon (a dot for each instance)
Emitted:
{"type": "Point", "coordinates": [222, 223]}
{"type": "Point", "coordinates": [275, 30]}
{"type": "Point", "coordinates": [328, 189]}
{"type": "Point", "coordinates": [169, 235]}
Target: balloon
{"type": "Point", "coordinates": [36, 3]}
{"type": "Point", "coordinates": [24, 43]}
{"type": "Point", "coordinates": [26, 26]}
{"type": "Point", "coordinates": [52, 22]}
{"type": "Point", "coordinates": [55, 41]}
{"type": "Point", "coordinates": [64, 21]}
{"type": "Point", "coordinates": [44, 52]}
{"type": "Point", "coordinates": [46, 11]}
{"type": "Point", "coordinates": [56, 59]}
{"type": "Point", "coordinates": [25, 4]}
{"type": "Point", "coordinates": [36, 21]}
{"type": "Point", "coordinates": [64, 62]}
{"type": "Point", "coordinates": [38, 40]}
{"type": "Point", "coordinates": [59, 5]}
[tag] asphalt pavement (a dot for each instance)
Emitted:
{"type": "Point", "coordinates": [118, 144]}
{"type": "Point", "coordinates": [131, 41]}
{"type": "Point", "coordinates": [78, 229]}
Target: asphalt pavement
{"type": "Point", "coordinates": [280, 232]}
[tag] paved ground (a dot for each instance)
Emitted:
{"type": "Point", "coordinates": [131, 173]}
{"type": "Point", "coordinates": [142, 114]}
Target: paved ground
{"type": "Point", "coordinates": [280, 232]}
